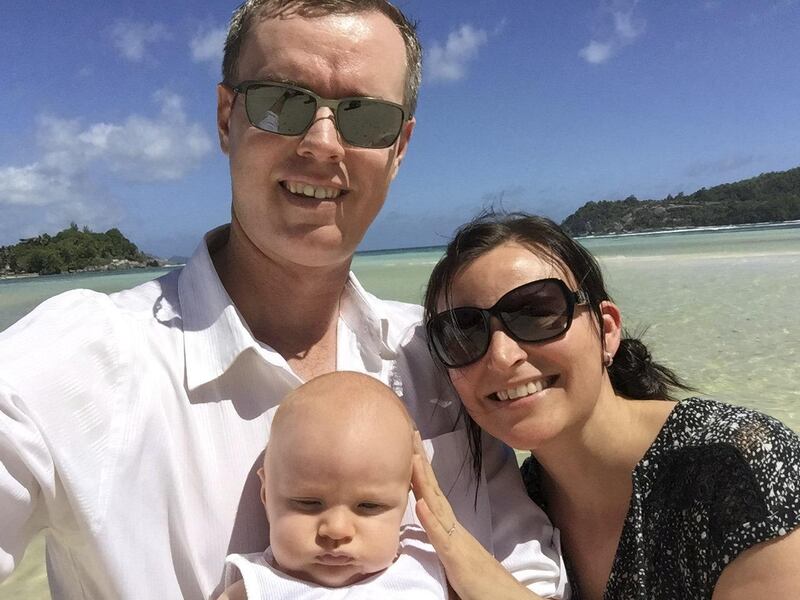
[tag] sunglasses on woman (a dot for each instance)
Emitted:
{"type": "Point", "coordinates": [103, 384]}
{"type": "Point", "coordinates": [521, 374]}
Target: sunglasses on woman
{"type": "Point", "coordinates": [290, 110]}
{"type": "Point", "coordinates": [534, 312]}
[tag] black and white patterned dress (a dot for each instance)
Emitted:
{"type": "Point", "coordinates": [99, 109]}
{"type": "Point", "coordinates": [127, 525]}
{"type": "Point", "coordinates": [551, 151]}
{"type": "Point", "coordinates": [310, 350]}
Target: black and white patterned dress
{"type": "Point", "coordinates": [717, 480]}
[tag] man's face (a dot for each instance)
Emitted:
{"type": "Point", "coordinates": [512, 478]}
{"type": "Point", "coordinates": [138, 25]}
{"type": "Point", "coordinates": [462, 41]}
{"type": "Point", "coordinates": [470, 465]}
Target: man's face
{"type": "Point", "coordinates": [335, 56]}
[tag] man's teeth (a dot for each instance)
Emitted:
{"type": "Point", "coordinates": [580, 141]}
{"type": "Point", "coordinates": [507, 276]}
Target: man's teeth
{"type": "Point", "coordinates": [313, 191]}
{"type": "Point", "coordinates": [522, 390]}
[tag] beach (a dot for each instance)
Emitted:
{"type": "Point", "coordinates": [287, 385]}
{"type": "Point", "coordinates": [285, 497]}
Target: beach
{"type": "Point", "coordinates": [717, 306]}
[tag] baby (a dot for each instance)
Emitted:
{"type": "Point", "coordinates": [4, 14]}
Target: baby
{"type": "Point", "coordinates": [335, 483]}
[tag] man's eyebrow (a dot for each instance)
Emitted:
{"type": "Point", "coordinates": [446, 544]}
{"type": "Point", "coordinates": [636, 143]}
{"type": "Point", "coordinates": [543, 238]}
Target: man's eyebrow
{"type": "Point", "coordinates": [354, 93]}
{"type": "Point", "coordinates": [278, 79]}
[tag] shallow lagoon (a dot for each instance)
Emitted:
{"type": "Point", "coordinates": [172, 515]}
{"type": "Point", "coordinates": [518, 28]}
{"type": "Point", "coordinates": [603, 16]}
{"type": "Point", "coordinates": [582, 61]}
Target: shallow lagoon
{"type": "Point", "coordinates": [719, 308]}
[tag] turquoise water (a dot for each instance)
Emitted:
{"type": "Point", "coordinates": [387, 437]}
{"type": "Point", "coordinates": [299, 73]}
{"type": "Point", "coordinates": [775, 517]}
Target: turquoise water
{"type": "Point", "coordinates": [19, 296]}
{"type": "Point", "coordinates": [719, 306]}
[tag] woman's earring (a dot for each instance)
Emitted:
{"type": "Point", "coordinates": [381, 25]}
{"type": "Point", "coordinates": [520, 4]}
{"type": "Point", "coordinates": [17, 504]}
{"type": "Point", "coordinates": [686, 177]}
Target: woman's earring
{"type": "Point", "coordinates": [608, 360]}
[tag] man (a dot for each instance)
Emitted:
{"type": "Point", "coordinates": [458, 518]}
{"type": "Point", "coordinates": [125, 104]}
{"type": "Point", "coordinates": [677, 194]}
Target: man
{"type": "Point", "coordinates": [126, 420]}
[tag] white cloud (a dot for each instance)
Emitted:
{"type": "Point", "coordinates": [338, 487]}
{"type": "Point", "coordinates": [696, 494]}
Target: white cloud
{"type": "Point", "coordinates": [624, 27]}
{"type": "Point", "coordinates": [597, 52]}
{"type": "Point", "coordinates": [140, 148]}
{"type": "Point", "coordinates": [449, 62]}
{"type": "Point", "coordinates": [500, 27]}
{"type": "Point", "coordinates": [61, 185]}
{"type": "Point", "coordinates": [32, 185]}
{"type": "Point", "coordinates": [207, 46]}
{"type": "Point", "coordinates": [132, 39]}
{"type": "Point", "coordinates": [38, 198]}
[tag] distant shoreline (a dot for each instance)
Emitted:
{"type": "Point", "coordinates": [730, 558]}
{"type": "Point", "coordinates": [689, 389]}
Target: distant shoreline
{"type": "Point", "coordinates": [363, 253]}
{"type": "Point", "coordinates": [88, 271]}
{"type": "Point", "coordinates": [705, 228]}
{"type": "Point", "coordinates": [20, 276]}
{"type": "Point", "coordinates": [722, 228]}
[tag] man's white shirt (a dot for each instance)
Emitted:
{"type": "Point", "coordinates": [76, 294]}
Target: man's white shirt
{"type": "Point", "coordinates": [131, 427]}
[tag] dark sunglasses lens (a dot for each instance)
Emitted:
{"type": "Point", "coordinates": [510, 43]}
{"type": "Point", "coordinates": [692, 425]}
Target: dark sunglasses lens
{"type": "Point", "coordinates": [280, 110]}
{"type": "Point", "coordinates": [536, 312]}
{"type": "Point", "coordinates": [459, 336]}
{"type": "Point", "coordinates": [369, 123]}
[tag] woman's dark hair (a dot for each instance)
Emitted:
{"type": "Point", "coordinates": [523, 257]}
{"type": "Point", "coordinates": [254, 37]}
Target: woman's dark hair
{"type": "Point", "coordinates": [633, 373]}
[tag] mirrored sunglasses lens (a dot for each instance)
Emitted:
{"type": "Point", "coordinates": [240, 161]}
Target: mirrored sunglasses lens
{"type": "Point", "coordinates": [460, 336]}
{"type": "Point", "coordinates": [280, 110]}
{"type": "Point", "coordinates": [536, 312]}
{"type": "Point", "coordinates": [369, 123]}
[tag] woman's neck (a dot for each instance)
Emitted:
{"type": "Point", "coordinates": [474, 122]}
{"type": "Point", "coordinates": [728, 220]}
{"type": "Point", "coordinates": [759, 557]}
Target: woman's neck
{"type": "Point", "coordinates": [591, 465]}
{"type": "Point", "coordinates": [587, 481]}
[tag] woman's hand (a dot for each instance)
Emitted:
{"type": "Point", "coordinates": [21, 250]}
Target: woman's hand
{"type": "Point", "coordinates": [473, 573]}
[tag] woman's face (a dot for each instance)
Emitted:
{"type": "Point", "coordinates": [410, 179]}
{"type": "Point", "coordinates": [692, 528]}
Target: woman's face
{"type": "Point", "coordinates": [547, 388]}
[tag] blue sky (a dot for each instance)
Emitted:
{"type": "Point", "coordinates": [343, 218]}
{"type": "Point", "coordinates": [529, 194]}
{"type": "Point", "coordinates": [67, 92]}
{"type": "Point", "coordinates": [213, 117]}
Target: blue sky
{"type": "Point", "coordinates": [107, 111]}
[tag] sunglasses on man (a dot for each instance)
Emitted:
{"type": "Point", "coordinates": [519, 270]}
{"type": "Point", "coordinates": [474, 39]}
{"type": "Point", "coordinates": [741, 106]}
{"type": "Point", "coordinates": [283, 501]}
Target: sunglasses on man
{"type": "Point", "coordinates": [290, 110]}
{"type": "Point", "coordinates": [534, 312]}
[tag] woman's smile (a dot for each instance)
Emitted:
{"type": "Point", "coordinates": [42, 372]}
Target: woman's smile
{"type": "Point", "coordinates": [524, 389]}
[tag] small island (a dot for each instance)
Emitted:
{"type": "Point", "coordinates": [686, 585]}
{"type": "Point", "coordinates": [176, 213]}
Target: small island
{"type": "Point", "coordinates": [72, 250]}
{"type": "Point", "coordinates": [767, 198]}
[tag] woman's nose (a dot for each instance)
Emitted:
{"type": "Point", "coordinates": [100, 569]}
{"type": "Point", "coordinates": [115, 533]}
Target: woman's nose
{"type": "Point", "coordinates": [504, 351]}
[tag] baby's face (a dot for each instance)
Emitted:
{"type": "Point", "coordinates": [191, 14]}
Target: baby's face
{"type": "Point", "coordinates": [335, 500]}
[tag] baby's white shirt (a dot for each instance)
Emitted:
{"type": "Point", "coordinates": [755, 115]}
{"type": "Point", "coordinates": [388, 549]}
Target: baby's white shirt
{"type": "Point", "coordinates": [416, 573]}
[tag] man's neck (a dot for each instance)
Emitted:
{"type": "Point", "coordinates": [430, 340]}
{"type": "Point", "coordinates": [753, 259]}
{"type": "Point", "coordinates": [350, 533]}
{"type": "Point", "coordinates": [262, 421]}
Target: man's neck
{"type": "Point", "coordinates": [292, 308]}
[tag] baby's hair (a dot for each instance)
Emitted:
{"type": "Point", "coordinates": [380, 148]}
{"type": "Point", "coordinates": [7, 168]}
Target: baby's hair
{"type": "Point", "coordinates": [347, 390]}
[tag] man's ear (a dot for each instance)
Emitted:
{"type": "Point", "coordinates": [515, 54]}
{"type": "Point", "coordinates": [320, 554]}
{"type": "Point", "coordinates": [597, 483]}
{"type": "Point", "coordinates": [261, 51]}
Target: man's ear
{"type": "Point", "coordinates": [225, 98]}
{"type": "Point", "coordinates": [402, 144]}
{"type": "Point", "coordinates": [611, 322]}
{"type": "Point", "coordinates": [262, 476]}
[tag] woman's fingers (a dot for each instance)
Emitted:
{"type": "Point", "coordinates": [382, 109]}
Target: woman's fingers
{"type": "Point", "coordinates": [423, 480]}
{"type": "Point", "coordinates": [424, 485]}
{"type": "Point", "coordinates": [473, 573]}
{"type": "Point", "coordinates": [471, 570]}
{"type": "Point", "coordinates": [439, 515]}
{"type": "Point", "coordinates": [437, 534]}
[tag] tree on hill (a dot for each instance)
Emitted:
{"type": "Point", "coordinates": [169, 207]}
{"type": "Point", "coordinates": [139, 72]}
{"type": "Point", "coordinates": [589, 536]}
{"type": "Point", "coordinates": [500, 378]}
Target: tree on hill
{"type": "Point", "coordinates": [769, 197]}
{"type": "Point", "coordinates": [71, 249]}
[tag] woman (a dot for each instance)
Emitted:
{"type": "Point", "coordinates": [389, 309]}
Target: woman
{"type": "Point", "coordinates": [653, 498]}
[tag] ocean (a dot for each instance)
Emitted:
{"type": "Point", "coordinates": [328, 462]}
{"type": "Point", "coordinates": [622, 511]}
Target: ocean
{"type": "Point", "coordinates": [715, 305]}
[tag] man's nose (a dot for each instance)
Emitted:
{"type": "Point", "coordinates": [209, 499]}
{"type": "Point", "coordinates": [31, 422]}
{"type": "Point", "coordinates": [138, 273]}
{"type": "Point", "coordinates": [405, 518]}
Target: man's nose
{"type": "Point", "coordinates": [322, 140]}
{"type": "Point", "coordinates": [336, 524]}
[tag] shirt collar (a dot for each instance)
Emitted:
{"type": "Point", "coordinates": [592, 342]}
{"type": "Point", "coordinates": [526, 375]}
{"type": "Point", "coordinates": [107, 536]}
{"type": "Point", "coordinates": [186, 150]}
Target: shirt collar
{"type": "Point", "coordinates": [215, 334]}
{"type": "Point", "coordinates": [366, 316]}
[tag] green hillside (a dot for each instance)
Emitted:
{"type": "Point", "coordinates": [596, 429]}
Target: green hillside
{"type": "Point", "coordinates": [72, 249]}
{"type": "Point", "coordinates": [770, 197]}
